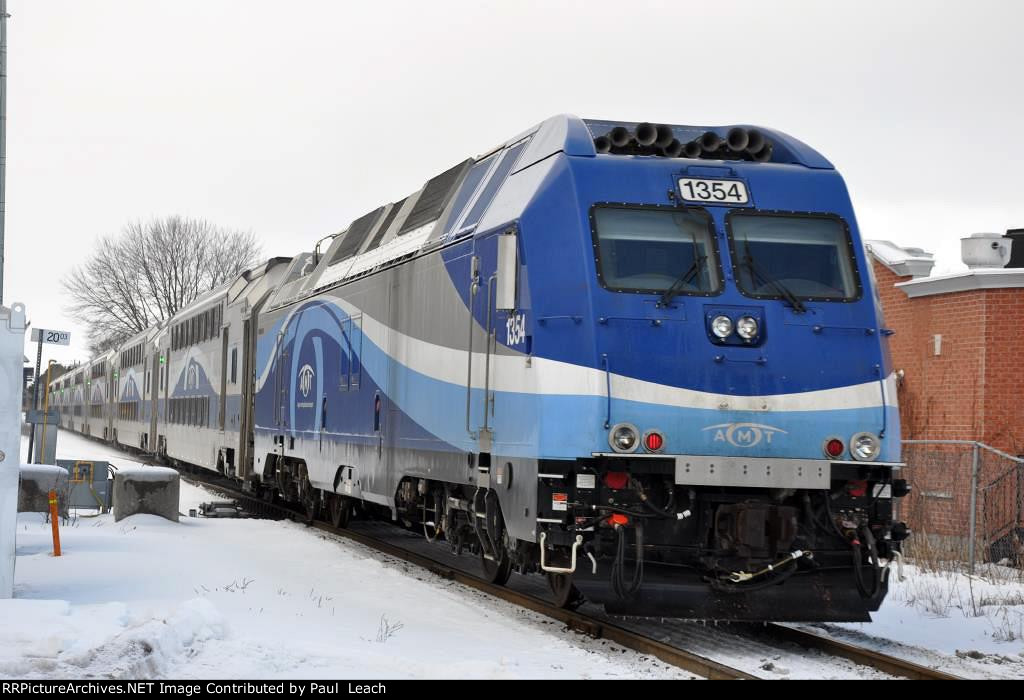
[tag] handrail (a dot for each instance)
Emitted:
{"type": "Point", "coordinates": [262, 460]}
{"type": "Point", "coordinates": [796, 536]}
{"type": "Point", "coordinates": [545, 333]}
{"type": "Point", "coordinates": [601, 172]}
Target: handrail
{"type": "Point", "coordinates": [489, 336]}
{"type": "Point", "coordinates": [474, 285]}
{"type": "Point", "coordinates": [608, 390]}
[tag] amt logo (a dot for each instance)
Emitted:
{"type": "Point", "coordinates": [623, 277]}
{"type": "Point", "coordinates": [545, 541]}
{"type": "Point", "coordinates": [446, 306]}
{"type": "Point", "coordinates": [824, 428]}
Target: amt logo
{"type": "Point", "coordinates": [305, 380]}
{"type": "Point", "coordinates": [744, 434]}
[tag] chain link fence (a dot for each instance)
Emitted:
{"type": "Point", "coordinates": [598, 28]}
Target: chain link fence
{"type": "Point", "coordinates": [966, 505]}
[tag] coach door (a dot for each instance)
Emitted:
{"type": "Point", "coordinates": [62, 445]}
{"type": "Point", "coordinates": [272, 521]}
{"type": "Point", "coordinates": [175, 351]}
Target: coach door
{"type": "Point", "coordinates": [111, 400]}
{"type": "Point", "coordinates": [223, 402]}
{"type": "Point", "coordinates": [154, 397]}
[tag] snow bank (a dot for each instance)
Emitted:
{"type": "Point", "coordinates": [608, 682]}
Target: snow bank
{"type": "Point", "coordinates": [44, 471]}
{"type": "Point", "coordinates": [147, 473]}
{"type": "Point", "coordinates": [52, 638]}
{"type": "Point", "coordinates": [36, 482]}
{"type": "Point", "coordinates": [153, 490]}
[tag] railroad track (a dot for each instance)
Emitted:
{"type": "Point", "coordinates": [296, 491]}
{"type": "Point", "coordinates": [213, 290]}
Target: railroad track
{"type": "Point", "coordinates": [587, 624]}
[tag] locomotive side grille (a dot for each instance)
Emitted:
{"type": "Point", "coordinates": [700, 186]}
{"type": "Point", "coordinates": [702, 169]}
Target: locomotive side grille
{"type": "Point", "coordinates": [355, 235]}
{"type": "Point", "coordinates": [435, 197]}
{"type": "Point", "coordinates": [397, 207]}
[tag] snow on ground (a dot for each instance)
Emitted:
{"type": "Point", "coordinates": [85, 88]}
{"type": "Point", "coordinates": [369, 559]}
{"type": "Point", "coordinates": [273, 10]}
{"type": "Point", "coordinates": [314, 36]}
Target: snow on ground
{"type": "Point", "coordinates": [224, 598]}
{"type": "Point", "coordinates": [260, 599]}
{"type": "Point", "coordinates": [968, 625]}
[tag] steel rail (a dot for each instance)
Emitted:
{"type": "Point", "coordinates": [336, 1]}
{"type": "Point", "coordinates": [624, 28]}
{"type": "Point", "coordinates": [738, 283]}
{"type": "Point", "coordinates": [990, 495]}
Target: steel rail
{"type": "Point", "coordinates": [892, 665]}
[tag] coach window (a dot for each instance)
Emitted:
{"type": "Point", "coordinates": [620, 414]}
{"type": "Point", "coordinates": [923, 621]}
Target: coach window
{"type": "Point", "coordinates": [234, 365]}
{"type": "Point", "coordinates": [653, 249]}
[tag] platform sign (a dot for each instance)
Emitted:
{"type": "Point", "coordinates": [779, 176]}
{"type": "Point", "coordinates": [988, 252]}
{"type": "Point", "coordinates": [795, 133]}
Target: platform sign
{"type": "Point", "coordinates": [44, 335]}
{"type": "Point", "coordinates": [40, 336]}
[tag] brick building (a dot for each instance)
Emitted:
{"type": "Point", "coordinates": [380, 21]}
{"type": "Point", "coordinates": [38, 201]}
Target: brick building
{"type": "Point", "coordinates": [957, 342]}
{"type": "Point", "coordinates": [956, 350]}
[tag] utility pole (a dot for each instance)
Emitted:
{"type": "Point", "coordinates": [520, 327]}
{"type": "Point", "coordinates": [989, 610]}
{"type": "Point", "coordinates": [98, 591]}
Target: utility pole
{"type": "Point", "coordinates": [3, 138]}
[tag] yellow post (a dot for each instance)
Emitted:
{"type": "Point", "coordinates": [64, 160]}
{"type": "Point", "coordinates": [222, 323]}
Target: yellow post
{"type": "Point", "coordinates": [46, 404]}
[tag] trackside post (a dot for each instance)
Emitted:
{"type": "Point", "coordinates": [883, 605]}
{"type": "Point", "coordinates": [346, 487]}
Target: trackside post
{"type": "Point", "coordinates": [54, 517]}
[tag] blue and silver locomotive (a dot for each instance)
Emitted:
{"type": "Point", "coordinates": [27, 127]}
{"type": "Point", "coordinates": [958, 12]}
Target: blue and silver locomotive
{"type": "Point", "coordinates": [645, 361]}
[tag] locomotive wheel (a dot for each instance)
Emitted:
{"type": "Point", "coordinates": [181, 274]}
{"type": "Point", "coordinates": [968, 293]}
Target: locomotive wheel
{"type": "Point", "coordinates": [340, 511]}
{"type": "Point", "coordinates": [310, 504]}
{"type": "Point", "coordinates": [497, 572]}
{"type": "Point", "coordinates": [566, 594]}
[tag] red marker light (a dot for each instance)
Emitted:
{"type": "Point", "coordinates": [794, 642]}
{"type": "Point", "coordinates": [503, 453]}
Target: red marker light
{"type": "Point", "coordinates": [654, 441]}
{"type": "Point", "coordinates": [618, 519]}
{"type": "Point", "coordinates": [616, 480]}
{"type": "Point", "coordinates": [834, 447]}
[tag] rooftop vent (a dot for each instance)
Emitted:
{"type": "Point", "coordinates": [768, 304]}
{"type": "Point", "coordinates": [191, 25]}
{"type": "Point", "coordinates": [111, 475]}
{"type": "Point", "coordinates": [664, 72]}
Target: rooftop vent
{"type": "Point", "coordinates": [985, 250]}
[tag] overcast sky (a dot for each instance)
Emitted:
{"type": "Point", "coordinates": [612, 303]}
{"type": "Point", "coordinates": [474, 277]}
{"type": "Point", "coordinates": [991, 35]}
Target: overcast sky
{"type": "Point", "coordinates": [290, 119]}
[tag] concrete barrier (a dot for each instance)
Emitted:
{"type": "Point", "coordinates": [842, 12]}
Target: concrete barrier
{"type": "Point", "coordinates": [153, 490]}
{"type": "Point", "coordinates": [37, 480]}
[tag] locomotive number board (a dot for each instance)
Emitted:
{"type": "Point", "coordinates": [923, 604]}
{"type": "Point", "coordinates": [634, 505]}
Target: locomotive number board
{"type": "Point", "coordinates": [713, 191]}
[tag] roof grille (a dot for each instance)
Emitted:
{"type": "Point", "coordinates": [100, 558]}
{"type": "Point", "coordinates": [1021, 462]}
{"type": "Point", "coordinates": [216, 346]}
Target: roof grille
{"type": "Point", "coordinates": [355, 235]}
{"type": "Point", "coordinates": [435, 197]}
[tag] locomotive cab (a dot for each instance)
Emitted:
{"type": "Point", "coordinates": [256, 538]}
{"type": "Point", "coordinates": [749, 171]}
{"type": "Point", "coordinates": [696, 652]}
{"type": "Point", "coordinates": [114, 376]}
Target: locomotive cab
{"type": "Point", "coordinates": [739, 455]}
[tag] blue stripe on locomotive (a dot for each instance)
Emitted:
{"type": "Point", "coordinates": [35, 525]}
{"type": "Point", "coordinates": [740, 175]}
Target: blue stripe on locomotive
{"type": "Point", "coordinates": [547, 426]}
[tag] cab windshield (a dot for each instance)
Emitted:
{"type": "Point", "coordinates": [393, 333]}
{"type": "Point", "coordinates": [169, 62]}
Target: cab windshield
{"type": "Point", "coordinates": [647, 249]}
{"type": "Point", "coordinates": [804, 256]}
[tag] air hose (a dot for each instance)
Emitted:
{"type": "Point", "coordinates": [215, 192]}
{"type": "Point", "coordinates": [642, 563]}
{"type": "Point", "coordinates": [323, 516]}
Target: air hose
{"type": "Point", "coordinates": [735, 582]}
{"type": "Point", "coordinates": [619, 564]}
{"type": "Point", "coordinates": [667, 511]}
{"type": "Point", "coordinates": [858, 571]}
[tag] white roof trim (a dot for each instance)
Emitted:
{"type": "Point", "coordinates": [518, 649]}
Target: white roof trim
{"type": "Point", "coordinates": [996, 278]}
{"type": "Point", "coordinates": [903, 262]}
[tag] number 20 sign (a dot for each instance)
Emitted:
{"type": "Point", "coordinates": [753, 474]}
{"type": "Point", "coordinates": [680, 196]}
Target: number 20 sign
{"type": "Point", "coordinates": [42, 335]}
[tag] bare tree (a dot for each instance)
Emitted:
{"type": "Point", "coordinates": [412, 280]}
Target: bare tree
{"type": "Point", "coordinates": [149, 271]}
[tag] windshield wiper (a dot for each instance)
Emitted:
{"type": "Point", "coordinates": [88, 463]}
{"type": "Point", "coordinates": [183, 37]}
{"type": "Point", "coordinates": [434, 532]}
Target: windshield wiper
{"type": "Point", "coordinates": [783, 290]}
{"type": "Point", "coordinates": [685, 278]}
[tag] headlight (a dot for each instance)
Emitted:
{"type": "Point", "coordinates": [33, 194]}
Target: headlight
{"type": "Point", "coordinates": [746, 328]}
{"type": "Point", "coordinates": [721, 326]}
{"type": "Point", "coordinates": [623, 437]}
{"type": "Point", "coordinates": [865, 447]}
